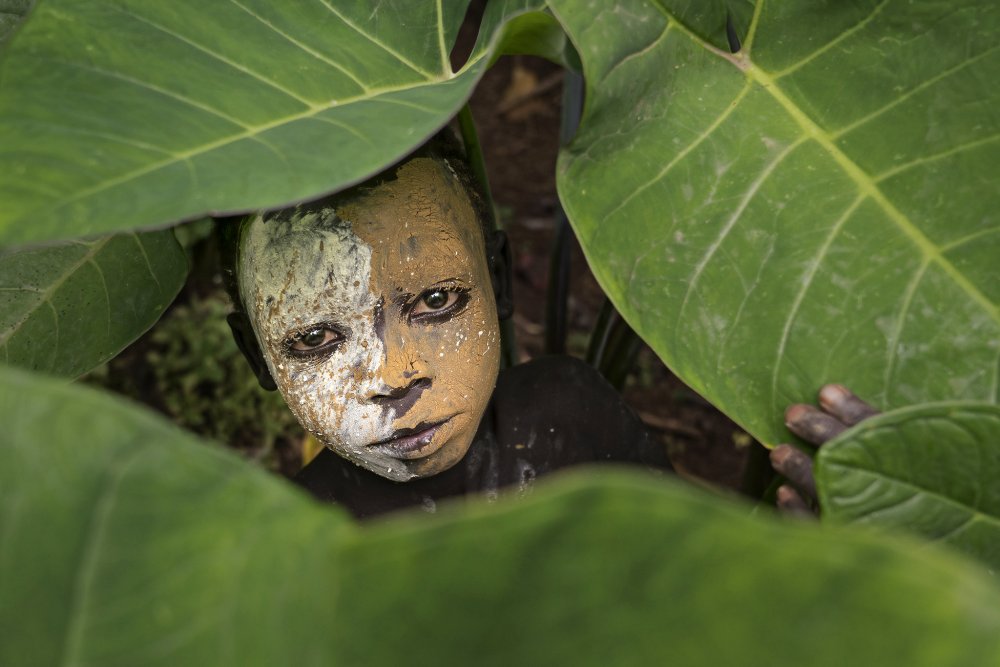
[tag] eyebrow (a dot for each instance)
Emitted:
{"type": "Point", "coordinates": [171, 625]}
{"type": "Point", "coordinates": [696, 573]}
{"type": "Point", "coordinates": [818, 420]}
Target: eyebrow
{"type": "Point", "coordinates": [401, 298]}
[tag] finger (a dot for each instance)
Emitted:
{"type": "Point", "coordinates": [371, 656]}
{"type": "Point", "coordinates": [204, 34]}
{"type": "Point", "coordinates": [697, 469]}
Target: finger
{"type": "Point", "coordinates": [797, 467]}
{"type": "Point", "coordinates": [790, 503]}
{"type": "Point", "coordinates": [811, 424]}
{"type": "Point", "coordinates": [845, 406]}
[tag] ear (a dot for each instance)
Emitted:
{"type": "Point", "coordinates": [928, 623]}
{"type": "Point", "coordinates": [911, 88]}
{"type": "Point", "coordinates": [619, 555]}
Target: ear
{"type": "Point", "coordinates": [498, 250]}
{"type": "Point", "coordinates": [247, 342]}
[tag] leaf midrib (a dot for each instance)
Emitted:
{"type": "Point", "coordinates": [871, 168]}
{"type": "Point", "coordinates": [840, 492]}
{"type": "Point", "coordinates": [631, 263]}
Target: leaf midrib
{"type": "Point", "coordinates": [251, 132]}
{"type": "Point", "coordinates": [865, 182]}
{"type": "Point", "coordinates": [867, 185]}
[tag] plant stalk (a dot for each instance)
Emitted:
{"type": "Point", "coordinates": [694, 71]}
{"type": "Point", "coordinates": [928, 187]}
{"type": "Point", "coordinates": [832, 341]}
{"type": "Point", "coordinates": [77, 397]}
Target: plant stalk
{"type": "Point", "coordinates": [474, 154]}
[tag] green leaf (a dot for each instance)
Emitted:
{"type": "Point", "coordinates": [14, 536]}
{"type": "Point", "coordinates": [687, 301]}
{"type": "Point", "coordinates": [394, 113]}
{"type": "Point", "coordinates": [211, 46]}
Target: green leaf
{"type": "Point", "coordinates": [929, 469]}
{"type": "Point", "coordinates": [819, 207]}
{"type": "Point", "coordinates": [69, 307]}
{"type": "Point", "coordinates": [123, 114]}
{"type": "Point", "coordinates": [126, 542]}
{"type": "Point", "coordinates": [11, 14]}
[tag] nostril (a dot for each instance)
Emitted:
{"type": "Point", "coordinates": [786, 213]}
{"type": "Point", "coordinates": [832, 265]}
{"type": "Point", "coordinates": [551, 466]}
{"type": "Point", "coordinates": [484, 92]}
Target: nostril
{"type": "Point", "coordinates": [389, 394]}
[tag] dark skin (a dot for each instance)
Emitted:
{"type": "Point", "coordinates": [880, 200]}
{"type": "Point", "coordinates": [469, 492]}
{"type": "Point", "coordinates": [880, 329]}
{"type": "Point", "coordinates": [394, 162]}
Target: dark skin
{"type": "Point", "coordinates": [542, 416]}
{"type": "Point", "coordinates": [591, 413]}
{"type": "Point", "coordinates": [546, 414]}
{"type": "Point", "coordinates": [839, 409]}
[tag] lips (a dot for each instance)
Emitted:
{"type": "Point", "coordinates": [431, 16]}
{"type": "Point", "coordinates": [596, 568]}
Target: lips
{"type": "Point", "coordinates": [410, 443]}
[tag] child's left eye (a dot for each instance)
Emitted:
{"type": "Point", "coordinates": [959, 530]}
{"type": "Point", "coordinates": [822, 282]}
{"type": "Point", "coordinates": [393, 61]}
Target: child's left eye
{"type": "Point", "coordinates": [438, 301]}
{"type": "Point", "coordinates": [435, 300]}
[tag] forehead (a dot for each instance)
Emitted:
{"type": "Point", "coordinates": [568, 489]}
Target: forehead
{"type": "Point", "coordinates": [426, 199]}
{"type": "Point", "coordinates": [420, 222]}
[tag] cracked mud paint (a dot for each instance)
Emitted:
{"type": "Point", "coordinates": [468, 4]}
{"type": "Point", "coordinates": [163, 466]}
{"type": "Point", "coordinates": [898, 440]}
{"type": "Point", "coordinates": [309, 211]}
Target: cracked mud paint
{"type": "Point", "coordinates": [377, 319]}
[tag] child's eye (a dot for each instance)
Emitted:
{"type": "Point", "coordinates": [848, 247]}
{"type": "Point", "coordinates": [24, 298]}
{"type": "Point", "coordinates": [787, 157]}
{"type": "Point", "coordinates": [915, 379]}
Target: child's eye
{"type": "Point", "coordinates": [434, 300]}
{"type": "Point", "coordinates": [313, 341]}
{"type": "Point", "coordinates": [438, 302]}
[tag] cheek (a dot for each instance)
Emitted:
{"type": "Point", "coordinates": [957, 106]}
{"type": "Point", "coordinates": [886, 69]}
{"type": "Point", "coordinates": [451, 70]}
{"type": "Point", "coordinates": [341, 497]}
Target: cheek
{"type": "Point", "coordinates": [330, 397]}
{"type": "Point", "coordinates": [465, 354]}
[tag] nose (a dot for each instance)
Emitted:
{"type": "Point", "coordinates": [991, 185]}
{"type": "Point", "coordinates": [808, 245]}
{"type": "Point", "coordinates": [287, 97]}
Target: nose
{"type": "Point", "coordinates": [401, 398]}
{"type": "Point", "coordinates": [404, 374]}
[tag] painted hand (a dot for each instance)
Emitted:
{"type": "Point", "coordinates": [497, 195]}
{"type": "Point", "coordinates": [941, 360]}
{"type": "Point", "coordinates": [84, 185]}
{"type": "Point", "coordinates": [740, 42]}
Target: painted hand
{"type": "Point", "coordinates": [840, 409]}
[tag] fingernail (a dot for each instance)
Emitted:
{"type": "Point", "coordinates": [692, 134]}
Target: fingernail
{"type": "Point", "coordinates": [779, 455]}
{"type": "Point", "coordinates": [832, 394]}
{"type": "Point", "coordinates": [785, 494]}
{"type": "Point", "coordinates": [795, 413]}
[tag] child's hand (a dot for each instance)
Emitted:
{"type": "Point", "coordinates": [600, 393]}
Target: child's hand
{"type": "Point", "coordinates": [840, 410]}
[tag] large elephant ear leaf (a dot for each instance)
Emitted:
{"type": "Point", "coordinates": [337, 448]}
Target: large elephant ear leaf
{"type": "Point", "coordinates": [124, 114]}
{"type": "Point", "coordinates": [12, 12]}
{"type": "Point", "coordinates": [819, 206]}
{"type": "Point", "coordinates": [127, 542]}
{"type": "Point", "coordinates": [928, 469]}
{"type": "Point", "coordinates": [66, 308]}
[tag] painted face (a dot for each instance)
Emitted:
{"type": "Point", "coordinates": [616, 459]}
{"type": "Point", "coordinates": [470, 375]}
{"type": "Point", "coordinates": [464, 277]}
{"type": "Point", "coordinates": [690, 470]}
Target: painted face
{"type": "Point", "coordinates": [377, 320]}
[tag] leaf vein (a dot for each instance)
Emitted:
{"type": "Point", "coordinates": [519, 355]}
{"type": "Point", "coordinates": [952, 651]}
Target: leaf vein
{"type": "Point", "coordinates": [930, 493]}
{"type": "Point", "coordinates": [344, 126]}
{"type": "Point", "coordinates": [869, 188]}
{"type": "Point", "coordinates": [138, 83]}
{"type": "Point", "coordinates": [104, 136]}
{"type": "Point", "coordinates": [145, 256]}
{"type": "Point", "coordinates": [248, 134]}
{"type": "Point", "coordinates": [89, 559]}
{"type": "Point", "coordinates": [640, 53]}
{"type": "Point", "coordinates": [754, 23]}
{"type": "Point", "coordinates": [860, 25]}
{"type": "Point", "coordinates": [961, 148]}
{"type": "Point", "coordinates": [107, 294]}
{"type": "Point", "coordinates": [398, 56]}
{"type": "Point", "coordinates": [47, 293]}
{"type": "Point", "coordinates": [727, 227]}
{"type": "Point", "coordinates": [800, 296]}
{"type": "Point", "coordinates": [304, 47]}
{"type": "Point", "coordinates": [445, 62]}
{"type": "Point", "coordinates": [893, 342]}
{"type": "Point", "coordinates": [218, 56]}
{"type": "Point", "coordinates": [55, 327]}
{"type": "Point", "coordinates": [836, 134]}
{"type": "Point", "coordinates": [683, 153]}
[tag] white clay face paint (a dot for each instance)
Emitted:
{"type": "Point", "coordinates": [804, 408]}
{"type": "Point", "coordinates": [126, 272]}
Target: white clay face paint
{"type": "Point", "coordinates": [297, 274]}
{"type": "Point", "coordinates": [401, 369]}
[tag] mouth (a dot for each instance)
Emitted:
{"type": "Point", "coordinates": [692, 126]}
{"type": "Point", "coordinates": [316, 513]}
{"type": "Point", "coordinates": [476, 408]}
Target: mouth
{"type": "Point", "coordinates": [410, 443]}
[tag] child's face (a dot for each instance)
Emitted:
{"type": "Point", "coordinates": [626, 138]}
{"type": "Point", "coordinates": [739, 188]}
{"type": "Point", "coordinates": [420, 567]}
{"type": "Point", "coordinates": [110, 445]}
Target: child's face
{"type": "Point", "coordinates": [380, 327]}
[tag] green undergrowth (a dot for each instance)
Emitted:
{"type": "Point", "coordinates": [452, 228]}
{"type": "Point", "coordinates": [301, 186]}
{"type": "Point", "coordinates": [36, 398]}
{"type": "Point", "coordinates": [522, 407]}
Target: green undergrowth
{"type": "Point", "coordinates": [189, 368]}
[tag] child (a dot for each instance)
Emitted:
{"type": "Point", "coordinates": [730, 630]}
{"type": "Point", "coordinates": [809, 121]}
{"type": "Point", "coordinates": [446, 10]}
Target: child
{"type": "Point", "coordinates": [376, 314]}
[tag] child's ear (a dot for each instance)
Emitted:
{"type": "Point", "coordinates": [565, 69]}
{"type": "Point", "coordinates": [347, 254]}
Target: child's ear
{"type": "Point", "coordinates": [247, 342]}
{"type": "Point", "coordinates": [498, 250]}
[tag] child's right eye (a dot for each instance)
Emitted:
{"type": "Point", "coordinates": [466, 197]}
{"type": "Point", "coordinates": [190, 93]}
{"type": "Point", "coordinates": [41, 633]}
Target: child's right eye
{"type": "Point", "coordinates": [313, 341]}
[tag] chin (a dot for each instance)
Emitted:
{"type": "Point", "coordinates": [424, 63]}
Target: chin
{"type": "Point", "coordinates": [397, 471]}
{"type": "Point", "coordinates": [443, 459]}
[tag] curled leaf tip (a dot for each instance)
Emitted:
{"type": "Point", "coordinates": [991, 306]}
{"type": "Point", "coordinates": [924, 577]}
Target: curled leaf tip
{"type": "Point", "coordinates": [734, 39]}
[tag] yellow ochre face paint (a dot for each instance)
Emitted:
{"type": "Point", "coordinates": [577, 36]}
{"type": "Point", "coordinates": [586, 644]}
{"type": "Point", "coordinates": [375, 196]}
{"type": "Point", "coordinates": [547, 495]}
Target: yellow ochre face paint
{"type": "Point", "coordinates": [377, 320]}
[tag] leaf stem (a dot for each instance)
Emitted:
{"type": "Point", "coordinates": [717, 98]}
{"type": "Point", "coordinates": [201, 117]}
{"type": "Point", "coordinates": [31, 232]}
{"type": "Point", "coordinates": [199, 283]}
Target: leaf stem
{"type": "Point", "coordinates": [474, 154]}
